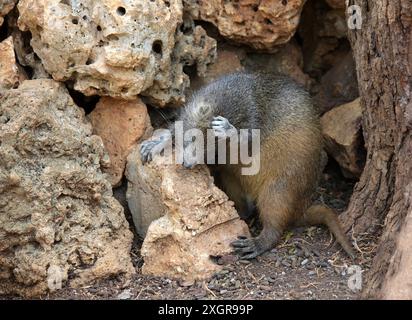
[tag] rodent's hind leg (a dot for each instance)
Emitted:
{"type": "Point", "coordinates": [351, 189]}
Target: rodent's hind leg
{"type": "Point", "coordinates": [249, 248]}
{"type": "Point", "coordinates": [222, 128]}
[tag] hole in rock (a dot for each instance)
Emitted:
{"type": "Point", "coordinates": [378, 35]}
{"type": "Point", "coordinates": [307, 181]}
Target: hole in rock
{"type": "Point", "coordinates": [157, 47]}
{"type": "Point", "coordinates": [88, 103]}
{"type": "Point", "coordinates": [121, 11]}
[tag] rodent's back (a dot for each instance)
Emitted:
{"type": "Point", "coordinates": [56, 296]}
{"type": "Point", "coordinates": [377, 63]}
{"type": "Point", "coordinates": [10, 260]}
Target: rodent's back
{"type": "Point", "coordinates": [259, 101]}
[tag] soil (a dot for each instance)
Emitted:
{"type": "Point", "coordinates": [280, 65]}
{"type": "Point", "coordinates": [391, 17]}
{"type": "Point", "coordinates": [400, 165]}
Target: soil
{"type": "Point", "coordinates": [306, 264]}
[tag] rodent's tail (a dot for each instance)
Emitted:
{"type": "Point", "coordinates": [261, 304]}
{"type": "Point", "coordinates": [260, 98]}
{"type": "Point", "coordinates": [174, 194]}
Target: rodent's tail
{"type": "Point", "coordinates": [320, 214]}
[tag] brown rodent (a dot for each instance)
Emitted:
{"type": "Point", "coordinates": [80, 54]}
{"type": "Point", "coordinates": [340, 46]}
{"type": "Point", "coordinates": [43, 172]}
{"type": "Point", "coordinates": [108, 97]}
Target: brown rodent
{"type": "Point", "coordinates": [291, 153]}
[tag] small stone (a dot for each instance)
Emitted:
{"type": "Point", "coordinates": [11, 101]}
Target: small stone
{"type": "Point", "coordinates": [286, 264]}
{"type": "Point", "coordinates": [304, 262]}
{"type": "Point", "coordinates": [187, 283]}
{"type": "Point", "coordinates": [322, 264]}
{"type": "Point", "coordinates": [265, 288]}
{"type": "Point", "coordinates": [125, 295]}
{"type": "Point", "coordinates": [341, 128]}
{"type": "Point", "coordinates": [271, 280]}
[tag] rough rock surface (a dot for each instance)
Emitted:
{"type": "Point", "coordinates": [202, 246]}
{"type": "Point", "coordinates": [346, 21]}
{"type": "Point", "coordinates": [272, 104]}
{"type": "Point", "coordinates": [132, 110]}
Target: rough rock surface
{"type": "Point", "coordinates": [196, 221]}
{"type": "Point", "coordinates": [229, 60]}
{"type": "Point", "coordinates": [11, 75]}
{"type": "Point", "coordinates": [26, 56]}
{"type": "Point", "coordinates": [341, 128]}
{"type": "Point", "coordinates": [120, 124]}
{"type": "Point", "coordinates": [5, 7]}
{"type": "Point", "coordinates": [262, 24]}
{"type": "Point", "coordinates": [336, 4]}
{"type": "Point", "coordinates": [118, 48]}
{"type": "Point", "coordinates": [339, 85]}
{"type": "Point", "coordinates": [59, 223]}
{"type": "Point", "coordinates": [323, 32]}
{"type": "Point", "coordinates": [288, 60]}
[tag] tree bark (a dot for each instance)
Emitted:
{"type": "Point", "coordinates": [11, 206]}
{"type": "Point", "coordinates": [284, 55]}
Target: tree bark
{"type": "Point", "coordinates": [381, 202]}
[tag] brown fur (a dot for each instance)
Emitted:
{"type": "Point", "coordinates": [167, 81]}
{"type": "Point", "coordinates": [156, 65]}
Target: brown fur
{"type": "Point", "coordinates": [291, 158]}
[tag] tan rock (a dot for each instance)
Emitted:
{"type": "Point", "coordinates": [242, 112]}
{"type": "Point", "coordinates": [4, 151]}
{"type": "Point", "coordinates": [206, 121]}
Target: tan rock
{"type": "Point", "coordinates": [337, 4]}
{"type": "Point", "coordinates": [118, 48]}
{"type": "Point", "coordinates": [228, 61]}
{"type": "Point", "coordinates": [5, 7]}
{"type": "Point", "coordinates": [288, 60]}
{"type": "Point", "coordinates": [262, 24]}
{"type": "Point", "coordinates": [57, 213]}
{"type": "Point", "coordinates": [11, 75]}
{"type": "Point", "coordinates": [339, 85]}
{"type": "Point", "coordinates": [120, 124]}
{"type": "Point", "coordinates": [196, 221]}
{"type": "Point", "coordinates": [341, 128]}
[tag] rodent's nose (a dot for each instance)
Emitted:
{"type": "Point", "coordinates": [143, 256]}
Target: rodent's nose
{"type": "Point", "coordinates": [188, 165]}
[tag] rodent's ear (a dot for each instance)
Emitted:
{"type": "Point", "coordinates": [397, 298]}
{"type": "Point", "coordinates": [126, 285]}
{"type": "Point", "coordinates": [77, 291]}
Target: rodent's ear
{"type": "Point", "coordinates": [203, 109]}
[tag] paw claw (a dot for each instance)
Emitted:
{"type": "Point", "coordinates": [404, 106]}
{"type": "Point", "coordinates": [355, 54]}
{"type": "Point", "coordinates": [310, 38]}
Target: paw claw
{"type": "Point", "coordinates": [147, 149]}
{"type": "Point", "coordinates": [246, 248]}
{"type": "Point", "coordinates": [221, 126]}
{"type": "Point", "coordinates": [250, 256]}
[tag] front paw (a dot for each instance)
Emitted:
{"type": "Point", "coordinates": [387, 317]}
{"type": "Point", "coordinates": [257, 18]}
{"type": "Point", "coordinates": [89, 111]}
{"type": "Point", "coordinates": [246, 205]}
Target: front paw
{"type": "Point", "coordinates": [247, 248]}
{"type": "Point", "coordinates": [221, 127]}
{"type": "Point", "coordinates": [147, 150]}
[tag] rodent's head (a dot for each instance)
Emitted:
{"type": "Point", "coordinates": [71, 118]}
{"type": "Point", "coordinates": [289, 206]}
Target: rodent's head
{"type": "Point", "coordinates": [195, 120]}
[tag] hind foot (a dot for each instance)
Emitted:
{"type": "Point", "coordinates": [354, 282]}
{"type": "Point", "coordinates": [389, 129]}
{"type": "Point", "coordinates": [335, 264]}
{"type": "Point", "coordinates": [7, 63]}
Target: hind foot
{"type": "Point", "coordinates": [249, 248]}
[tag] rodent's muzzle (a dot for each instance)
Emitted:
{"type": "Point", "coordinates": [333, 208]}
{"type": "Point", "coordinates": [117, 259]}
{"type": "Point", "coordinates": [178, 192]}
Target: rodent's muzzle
{"type": "Point", "coordinates": [188, 165]}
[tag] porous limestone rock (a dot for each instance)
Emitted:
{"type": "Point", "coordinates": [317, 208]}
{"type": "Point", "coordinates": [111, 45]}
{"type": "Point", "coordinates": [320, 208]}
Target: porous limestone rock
{"type": "Point", "coordinates": [118, 48]}
{"type": "Point", "coordinates": [341, 129]}
{"type": "Point", "coordinates": [120, 124]}
{"type": "Point", "coordinates": [26, 56]}
{"type": "Point", "coordinates": [262, 24]}
{"type": "Point", "coordinates": [11, 75]}
{"type": "Point", "coordinates": [194, 219]}
{"type": "Point", "coordinates": [59, 223]}
{"type": "Point", "coordinates": [5, 7]}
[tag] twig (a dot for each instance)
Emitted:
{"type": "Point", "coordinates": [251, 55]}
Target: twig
{"type": "Point", "coordinates": [208, 290]}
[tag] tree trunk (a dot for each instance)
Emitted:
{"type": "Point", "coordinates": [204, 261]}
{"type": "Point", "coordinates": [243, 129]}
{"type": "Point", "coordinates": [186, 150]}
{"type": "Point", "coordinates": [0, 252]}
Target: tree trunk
{"type": "Point", "coordinates": [381, 203]}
